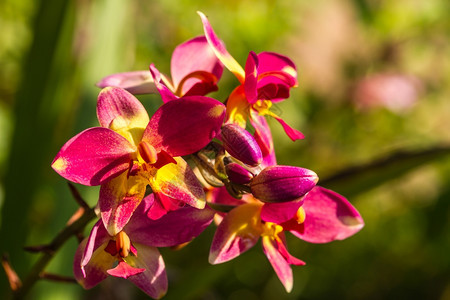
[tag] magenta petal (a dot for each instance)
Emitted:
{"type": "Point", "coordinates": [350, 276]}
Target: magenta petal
{"type": "Point", "coordinates": [166, 94]}
{"type": "Point", "coordinates": [220, 50]}
{"type": "Point", "coordinates": [136, 82]}
{"type": "Point", "coordinates": [263, 137]}
{"type": "Point", "coordinates": [239, 231]}
{"type": "Point", "coordinates": [270, 62]}
{"type": "Point", "coordinates": [185, 126]}
{"type": "Point", "coordinates": [174, 228]}
{"type": "Point", "coordinates": [95, 271]}
{"type": "Point", "coordinates": [251, 77]}
{"type": "Point", "coordinates": [153, 281]}
{"type": "Point", "coordinates": [97, 236]}
{"type": "Point", "coordinates": [280, 212]}
{"type": "Point", "coordinates": [118, 200]}
{"type": "Point", "coordinates": [124, 270]}
{"type": "Point", "coordinates": [329, 217]}
{"type": "Point", "coordinates": [278, 261]}
{"type": "Point", "coordinates": [192, 56]}
{"type": "Point", "coordinates": [179, 184]}
{"type": "Point", "coordinates": [93, 156]}
{"type": "Point", "coordinates": [116, 103]}
{"type": "Point", "coordinates": [292, 133]}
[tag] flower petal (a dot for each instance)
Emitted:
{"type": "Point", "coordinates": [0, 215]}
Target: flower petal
{"type": "Point", "coordinates": [238, 232]}
{"type": "Point", "coordinates": [120, 111]}
{"type": "Point", "coordinates": [263, 137]}
{"type": "Point", "coordinates": [220, 51]}
{"type": "Point", "coordinates": [329, 217]}
{"type": "Point", "coordinates": [190, 57]}
{"type": "Point", "coordinates": [280, 212]}
{"type": "Point", "coordinates": [94, 156]}
{"type": "Point", "coordinates": [162, 205]}
{"type": "Point", "coordinates": [124, 270]}
{"type": "Point", "coordinates": [251, 77]}
{"type": "Point", "coordinates": [174, 228]}
{"type": "Point", "coordinates": [136, 82]}
{"type": "Point", "coordinates": [153, 281]}
{"type": "Point", "coordinates": [95, 271]}
{"type": "Point", "coordinates": [166, 93]}
{"type": "Point", "coordinates": [179, 182]}
{"type": "Point", "coordinates": [118, 200]}
{"type": "Point", "coordinates": [292, 133]}
{"type": "Point", "coordinates": [279, 262]}
{"type": "Point", "coordinates": [97, 237]}
{"type": "Point", "coordinates": [270, 62]}
{"type": "Point", "coordinates": [238, 107]}
{"type": "Point", "coordinates": [185, 126]}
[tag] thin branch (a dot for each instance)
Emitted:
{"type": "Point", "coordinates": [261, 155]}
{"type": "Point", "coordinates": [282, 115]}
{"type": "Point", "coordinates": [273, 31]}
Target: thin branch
{"type": "Point", "coordinates": [76, 195]}
{"type": "Point", "coordinates": [36, 272]}
{"type": "Point", "coordinates": [56, 277]}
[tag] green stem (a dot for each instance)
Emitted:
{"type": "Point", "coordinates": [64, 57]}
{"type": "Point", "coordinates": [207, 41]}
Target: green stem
{"type": "Point", "coordinates": [56, 243]}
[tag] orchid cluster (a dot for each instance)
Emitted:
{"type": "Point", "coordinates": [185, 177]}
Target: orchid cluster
{"type": "Point", "coordinates": [164, 178]}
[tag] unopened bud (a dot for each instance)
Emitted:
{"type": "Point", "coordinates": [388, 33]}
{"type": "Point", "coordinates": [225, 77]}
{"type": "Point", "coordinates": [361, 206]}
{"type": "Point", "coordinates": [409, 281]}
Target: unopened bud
{"type": "Point", "coordinates": [238, 174]}
{"type": "Point", "coordinates": [240, 144]}
{"type": "Point", "coordinates": [282, 183]}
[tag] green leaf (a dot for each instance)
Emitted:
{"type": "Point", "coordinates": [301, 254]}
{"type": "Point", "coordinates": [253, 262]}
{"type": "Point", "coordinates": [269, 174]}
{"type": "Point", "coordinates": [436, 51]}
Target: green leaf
{"type": "Point", "coordinates": [357, 179]}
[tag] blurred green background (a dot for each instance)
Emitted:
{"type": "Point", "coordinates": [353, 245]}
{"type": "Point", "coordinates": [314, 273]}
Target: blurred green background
{"type": "Point", "coordinates": [373, 102]}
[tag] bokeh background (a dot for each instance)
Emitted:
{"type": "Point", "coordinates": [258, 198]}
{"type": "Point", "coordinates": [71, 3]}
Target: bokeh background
{"type": "Point", "coordinates": [373, 102]}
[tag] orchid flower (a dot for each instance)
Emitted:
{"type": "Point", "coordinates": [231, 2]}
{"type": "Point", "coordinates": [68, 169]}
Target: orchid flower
{"type": "Point", "coordinates": [132, 253]}
{"type": "Point", "coordinates": [194, 68]}
{"type": "Point", "coordinates": [321, 216]}
{"type": "Point", "coordinates": [130, 151]}
{"type": "Point", "coordinates": [267, 78]}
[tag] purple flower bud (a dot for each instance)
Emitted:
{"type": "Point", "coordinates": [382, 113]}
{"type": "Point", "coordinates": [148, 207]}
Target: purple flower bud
{"type": "Point", "coordinates": [282, 183]}
{"type": "Point", "coordinates": [241, 144]}
{"type": "Point", "coordinates": [238, 174]}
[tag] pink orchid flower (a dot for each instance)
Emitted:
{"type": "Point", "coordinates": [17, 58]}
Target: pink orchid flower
{"type": "Point", "coordinates": [267, 78]}
{"type": "Point", "coordinates": [194, 68]}
{"type": "Point", "coordinates": [321, 216]}
{"type": "Point", "coordinates": [132, 253]}
{"type": "Point", "coordinates": [130, 151]}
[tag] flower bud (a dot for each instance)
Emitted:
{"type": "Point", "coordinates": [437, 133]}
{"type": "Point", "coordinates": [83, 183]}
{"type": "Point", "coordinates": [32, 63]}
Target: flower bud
{"type": "Point", "coordinates": [282, 183]}
{"type": "Point", "coordinates": [238, 174]}
{"type": "Point", "coordinates": [240, 144]}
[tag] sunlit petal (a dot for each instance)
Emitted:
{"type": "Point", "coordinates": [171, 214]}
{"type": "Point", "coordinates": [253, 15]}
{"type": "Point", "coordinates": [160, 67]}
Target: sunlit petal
{"type": "Point", "coordinates": [179, 182]}
{"type": "Point", "coordinates": [189, 58]}
{"type": "Point", "coordinates": [220, 51]}
{"type": "Point", "coordinates": [174, 228]}
{"type": "Point", "coordinates": [153, 281]}
{"type": "Point", "coordinates": [136, 82]}
{"type": "Point", "coordinates": [185, 126]}
{"type": "Point", "coordinates": [329, 217]}
{"type": "Point", "coordinates": [238, 232]}
{"type": "Point", "coordinates": [120, 111]}
{"type": "Point", "coordinates": [95, 270]}
{"type": "Point", "coordinates": [93, 156]}
{"type": "Point", "coordinates": [280, 265]}
{"type": "Point", "coordinates": [118, 200]}
{"type": "Point", "coordinates": [166, 93]}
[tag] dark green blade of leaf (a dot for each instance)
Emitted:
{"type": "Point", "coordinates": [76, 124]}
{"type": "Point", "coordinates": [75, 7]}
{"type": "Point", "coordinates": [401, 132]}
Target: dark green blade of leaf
{"type": "Point", "coordinates": [358, 179]}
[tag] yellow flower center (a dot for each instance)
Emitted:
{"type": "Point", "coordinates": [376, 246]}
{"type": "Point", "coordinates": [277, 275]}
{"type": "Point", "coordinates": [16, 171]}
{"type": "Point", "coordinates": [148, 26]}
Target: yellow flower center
{"type": "Point", "coordinates": [147, 153]}
{"type": "Point", "coordinates": [263, 107]}
{"type": "Point", "coordinates": [300, 215]}
{"type": "Point", "coordinates": [123, 244]}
